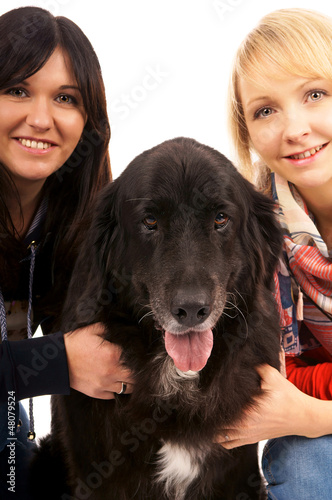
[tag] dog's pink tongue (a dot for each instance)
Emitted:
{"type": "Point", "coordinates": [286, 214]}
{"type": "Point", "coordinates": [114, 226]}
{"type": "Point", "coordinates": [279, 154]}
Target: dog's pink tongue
{"type": "Point", "coordinates": [189, 351]}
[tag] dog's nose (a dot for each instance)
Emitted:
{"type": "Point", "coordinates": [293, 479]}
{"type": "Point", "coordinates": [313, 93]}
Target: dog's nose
{"type": "Point", "coordinates": [190, 310]}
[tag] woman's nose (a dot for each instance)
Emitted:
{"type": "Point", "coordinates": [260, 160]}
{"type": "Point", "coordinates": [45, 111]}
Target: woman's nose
{"type": "Point", "coordinates": [296, 126]}
{"type": "Point", "coordinates": [40, 115]}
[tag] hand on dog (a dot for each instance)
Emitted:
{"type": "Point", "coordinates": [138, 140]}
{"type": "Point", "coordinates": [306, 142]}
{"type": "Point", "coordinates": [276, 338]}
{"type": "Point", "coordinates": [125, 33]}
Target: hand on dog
{"type": "Point", "coordinates": [281, 410]}
{"type": "Point", "coordinates": [94, 365]}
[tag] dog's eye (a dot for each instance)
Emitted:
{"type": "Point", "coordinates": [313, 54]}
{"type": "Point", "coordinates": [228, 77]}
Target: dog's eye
{"type": "Point", "coordinates": [220, 220]}
{"type": "Point", "coordinates": [150, 222]}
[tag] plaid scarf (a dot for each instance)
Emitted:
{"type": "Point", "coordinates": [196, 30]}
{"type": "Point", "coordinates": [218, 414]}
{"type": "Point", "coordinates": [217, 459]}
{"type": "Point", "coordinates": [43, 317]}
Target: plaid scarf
{"type": "Point", "coordinates": [304, 278]}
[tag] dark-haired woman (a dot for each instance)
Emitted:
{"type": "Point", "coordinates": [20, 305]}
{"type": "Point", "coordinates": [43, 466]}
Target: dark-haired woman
{"type": "Point", "coordinates": [54, 136]}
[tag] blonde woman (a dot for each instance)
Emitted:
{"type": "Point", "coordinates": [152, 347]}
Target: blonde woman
{"type": "Point", "coordinates": [281, 124]}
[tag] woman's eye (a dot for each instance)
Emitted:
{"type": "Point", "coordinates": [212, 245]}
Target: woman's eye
{"type": "Point", "coordinates": [150, 222]}
{"type": "Point", "coordinates": [220, 220]}
{"type": "Point", "coordinates": [263, 113]}
{"type": "Point", "coordinates": [66, 99]}
{"type": "Point", "coordinates": [315, 95]}
{"type": "Point", "coordinates": [16, 92]}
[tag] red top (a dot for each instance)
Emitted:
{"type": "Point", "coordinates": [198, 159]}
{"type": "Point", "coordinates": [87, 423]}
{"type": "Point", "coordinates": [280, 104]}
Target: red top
{"type": "Point", "coordinates": [312, 372]}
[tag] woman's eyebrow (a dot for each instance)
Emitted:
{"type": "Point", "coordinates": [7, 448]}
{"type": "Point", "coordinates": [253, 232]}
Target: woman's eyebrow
{"type": "Point", "coordinates": [257, 99]}
{"type": "Point", "coordinates": [64, 87]}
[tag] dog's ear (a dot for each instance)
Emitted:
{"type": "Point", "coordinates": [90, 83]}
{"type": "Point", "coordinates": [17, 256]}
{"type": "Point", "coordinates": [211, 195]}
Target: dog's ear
{"type": "Point", "coordinates": [104, 231]}
{"type": "Point", "coordinates": [262, 236]}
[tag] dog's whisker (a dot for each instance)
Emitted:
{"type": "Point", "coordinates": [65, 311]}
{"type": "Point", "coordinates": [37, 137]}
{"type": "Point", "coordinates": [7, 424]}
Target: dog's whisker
{"type": "Point", "coordinates": [231, 293]}
{"type": "Point", "coordinates": [139, 199]}
{"type": "Point", "coordinates": [242, 298]}
{"type": "Point", "coordinates": [230, 301]}
{"type": "Point", "coordinates": [229, 316]}
{"type": "Point", "coordinates": [235, 311]}
{"type": "Point", "coordinates": [143, 306]}
{"type": "Point", "coordinates": [149, 313]}
{"type": "Point", "coordinates": [233, 305]}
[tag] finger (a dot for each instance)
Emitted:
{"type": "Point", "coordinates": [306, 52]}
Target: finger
{"type": "Point", "coordinates": [270, 377]}
{"type": "Point", "coordinates": [117, 389]}
{"type": "Point", "coordinates": [262, 369]}
{"type": "Point", "coordinates": [224, 438]}
{"type": "Point", "coordinates": [229, 445]}
{"type": "Point", "coordinates": [123, 388]}
{"type": "Point", "coordinates": [103, 395]}
{"type": "Point", "coordinates": [268, 372]}
{"type": "Point", "coordinates": [97, 328]}
{"type": "Point", "coordinates": [111, 394]}
{"type": "Point", "coordinates": [230, 441]}
{"type": "Point", "coordinates": [226, 441]}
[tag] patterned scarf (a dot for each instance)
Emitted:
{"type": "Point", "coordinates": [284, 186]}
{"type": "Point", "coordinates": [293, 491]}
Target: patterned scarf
{"type": "Point", "coordinates": [304, 278]}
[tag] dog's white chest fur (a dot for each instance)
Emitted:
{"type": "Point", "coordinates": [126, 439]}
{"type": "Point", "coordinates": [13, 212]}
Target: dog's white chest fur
{"type": "Point", "coordinates": [177, 469]}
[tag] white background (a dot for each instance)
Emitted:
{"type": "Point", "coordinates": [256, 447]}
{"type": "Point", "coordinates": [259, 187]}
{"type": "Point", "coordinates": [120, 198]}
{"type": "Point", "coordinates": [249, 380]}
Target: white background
{"type": "Point", "coordinates": [188, 44]}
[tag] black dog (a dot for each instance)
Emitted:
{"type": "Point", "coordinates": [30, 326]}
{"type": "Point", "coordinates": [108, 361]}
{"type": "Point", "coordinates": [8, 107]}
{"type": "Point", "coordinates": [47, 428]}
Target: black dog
{"type": "Point", "coordinates": [178, 264]}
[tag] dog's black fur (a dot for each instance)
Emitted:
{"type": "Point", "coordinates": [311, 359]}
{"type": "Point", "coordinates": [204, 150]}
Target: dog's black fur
{"type": "Point", "coordinates": [180, 241]}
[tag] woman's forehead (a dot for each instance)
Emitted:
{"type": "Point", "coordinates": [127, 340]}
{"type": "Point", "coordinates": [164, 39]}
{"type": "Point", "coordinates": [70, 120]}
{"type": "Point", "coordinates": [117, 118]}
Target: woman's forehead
{"type": "Point", "coordinates": [263, 73]}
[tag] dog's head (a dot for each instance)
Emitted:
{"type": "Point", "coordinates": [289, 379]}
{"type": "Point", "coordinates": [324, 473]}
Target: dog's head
{"type": "Point", "coordinates": [194, 237]}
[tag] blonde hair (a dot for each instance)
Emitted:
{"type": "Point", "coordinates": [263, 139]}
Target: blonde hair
{"type": "Point", "coordinates": [292, 41]}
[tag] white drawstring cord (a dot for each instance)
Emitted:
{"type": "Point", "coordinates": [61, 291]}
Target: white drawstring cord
{"type": "Point", "coordinates": [32, 246]}
{"type": "Point", "coordinates": [3, 326]}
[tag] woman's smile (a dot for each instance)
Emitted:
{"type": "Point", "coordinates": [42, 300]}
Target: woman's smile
{"type": "Point", "coordinates": [306, 157]}
{"type": "Point", "coordinates": [33, 144]}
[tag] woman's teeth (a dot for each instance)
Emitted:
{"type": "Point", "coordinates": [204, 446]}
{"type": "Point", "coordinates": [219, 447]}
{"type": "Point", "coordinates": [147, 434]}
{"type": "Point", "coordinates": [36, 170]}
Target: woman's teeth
{"type": "Point", "coordinates": [34, 144]}
{"type": "Point", "coordinates": [306, 154]}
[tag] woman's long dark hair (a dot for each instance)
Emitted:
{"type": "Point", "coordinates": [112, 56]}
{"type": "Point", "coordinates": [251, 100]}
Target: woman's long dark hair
{"type": "Point", "coordinates": [28, 37]}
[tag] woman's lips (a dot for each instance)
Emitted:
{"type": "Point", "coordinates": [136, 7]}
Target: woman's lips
{"type": "Point", "coordinates": [35, 146]}
{"type": "Point", "coordinates": [35, 143]}
{"type": "Point", "coordinates": [306, 156]}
